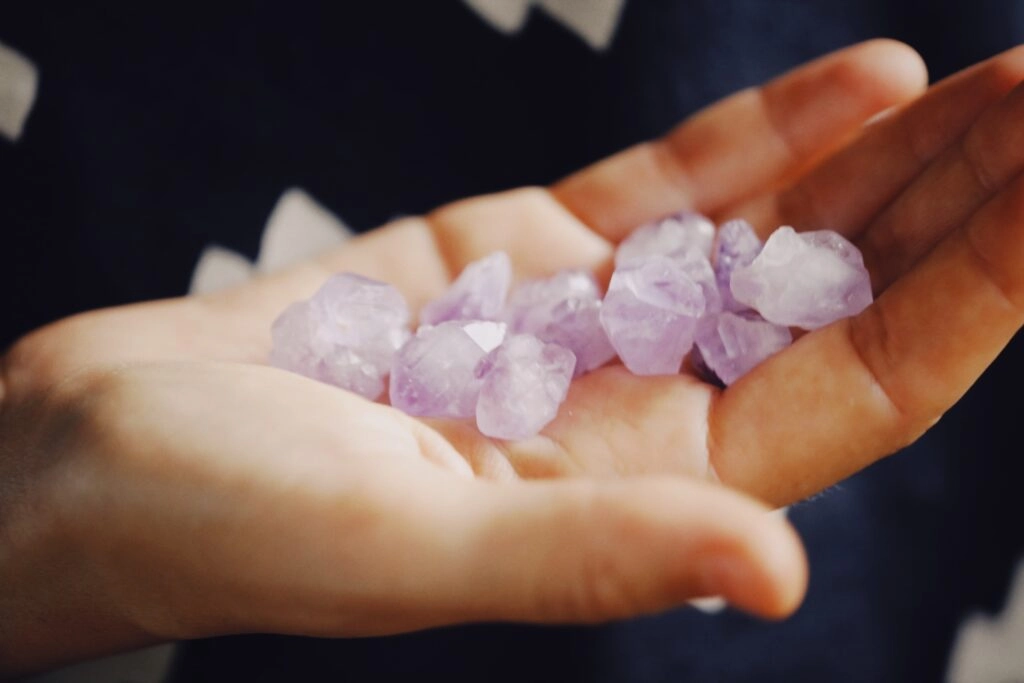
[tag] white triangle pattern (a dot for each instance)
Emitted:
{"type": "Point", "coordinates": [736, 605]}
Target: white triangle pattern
{"type": "Point", "coordinates": [19, 82]}
{"type": "Point", "coordinates": [298, 228]}
{"type": "Point", "coordinates": [991, 649]}
{"type": "Point", "coordinates": [594, 21]}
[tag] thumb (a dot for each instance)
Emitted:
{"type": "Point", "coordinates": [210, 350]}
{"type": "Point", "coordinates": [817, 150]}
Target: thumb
{"type": "Point", "coordinates": [586, 551]}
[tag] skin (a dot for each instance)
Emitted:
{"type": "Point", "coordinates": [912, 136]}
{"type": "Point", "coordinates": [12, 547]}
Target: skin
{"type": "Point", "coordinates": [158, 481]}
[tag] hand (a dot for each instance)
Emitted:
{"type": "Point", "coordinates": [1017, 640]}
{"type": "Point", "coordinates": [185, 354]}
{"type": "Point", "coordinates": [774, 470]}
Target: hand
{"type": "Point", "coordinates": [205, 494]}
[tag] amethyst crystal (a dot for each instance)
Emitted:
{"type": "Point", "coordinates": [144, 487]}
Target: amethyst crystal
{"type": "Point", "coordinates": [667, 237]}
{"type": "Point", "coordinates": [524, 382]}
{"type": "Point", "coordinates": [697, 267]}
{"type": "Point", "coordinates": [345, 335]}
{"type": "Point", "coordinates": [736, 246]}
{"type": "Point", "coordinates": [478, 293]}
{"type": "Point", "coordinates": [563, 309]}
{"type": "Point", "coordinates": [732, 344]}
{"type": "Point", "coordinates": [433, 374]}
{"type": "Point", "coordinates": [665, 295]}
{"type": "Point", "coordinates": [650, 314]}
{"type": "Point", "coordinates": [804, 279]}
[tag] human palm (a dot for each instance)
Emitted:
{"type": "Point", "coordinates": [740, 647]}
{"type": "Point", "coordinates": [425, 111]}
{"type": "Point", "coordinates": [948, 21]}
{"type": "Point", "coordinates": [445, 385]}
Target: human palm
{"type": "Point", "coordinates": [208, 493]}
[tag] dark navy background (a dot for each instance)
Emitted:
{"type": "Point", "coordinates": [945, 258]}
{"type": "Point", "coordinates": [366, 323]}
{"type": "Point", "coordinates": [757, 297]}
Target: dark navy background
{"type": "Point", "coordinates": [160, 130]}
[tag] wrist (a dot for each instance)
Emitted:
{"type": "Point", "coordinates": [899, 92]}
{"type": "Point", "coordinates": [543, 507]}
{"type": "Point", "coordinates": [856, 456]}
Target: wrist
{"type": "Point", "coordinates": [56, 607]}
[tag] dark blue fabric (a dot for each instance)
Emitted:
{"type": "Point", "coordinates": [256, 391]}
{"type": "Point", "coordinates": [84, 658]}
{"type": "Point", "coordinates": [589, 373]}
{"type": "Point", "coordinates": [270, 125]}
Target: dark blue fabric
{"type": "Point", "coordinates": [160, 130]}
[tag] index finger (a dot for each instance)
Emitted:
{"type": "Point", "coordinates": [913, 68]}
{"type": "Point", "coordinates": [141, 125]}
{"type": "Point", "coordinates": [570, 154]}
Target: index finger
{"type": "Point", "coordinates": [747, 142]}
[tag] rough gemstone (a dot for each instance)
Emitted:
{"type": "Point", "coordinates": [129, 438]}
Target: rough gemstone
{"type": "Point", "coordinates": [806, 280]}
{"type": "Point", "coordinates": [733, 344]}
{"type": "Point", "coordinates": [524, 382]}
{"type": "Point", "coordinates": [650, 315]}
{"type": "Point", "coordinates": [433, 374]}
{"type": "Point", "coordinates": [346, 334]}
{"type": "Point", "coordinates": [563, 309]}
{"type": "Point", "coordinates": [697, 267]}
{"type": "Point", "coordinates": [477, 294]}
{"type": "Point", "coordinates": [667, 237]}
{"type": "Point", "coordinates": [736, 246]}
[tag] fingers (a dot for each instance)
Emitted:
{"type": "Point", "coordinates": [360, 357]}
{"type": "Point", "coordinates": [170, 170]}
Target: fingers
{"type": "Point", "coordinates": [420, 256]}
{"type": "Point", "coordinates": [849, 189]}
{"type": "Point", "coordinates": [746, 142]}
{"type": "Point", "coordinates": [855, 391]}
{"type": "Point", "coordinates": [783, 126]}
{"type": "Point", "coordinates": [974, 168]}
{"type": "Point", "coordinates": [413, 549]}
{"type": "Point", "coordinates": [540, 235]}
{"type": "Point", "coordinates": [577, 551]}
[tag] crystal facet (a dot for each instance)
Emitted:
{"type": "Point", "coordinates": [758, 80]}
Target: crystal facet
{"type": "Point", "coordinates": [736, 246]}
{"type": "Point", "coordinates": [477, 294]}
{"type": "Point", "coordinates": [563, 309]}
{"type": "Point", "coordinates": [433, 375]}
{"type": "Point", "coordinates": [806, 280]}
{"type": "Point", "coordinates": [524, 382]}
{"type": "Point", "coordinates": [734, 343]}
{"type": "Point", "coordinates": [697, 267]}
{"type": "Point", "coordinates": [650, 314]}
{"type": "Point", "coordinates": [667, 237]}
{"type": "Point", "coordinates": [346, 334]}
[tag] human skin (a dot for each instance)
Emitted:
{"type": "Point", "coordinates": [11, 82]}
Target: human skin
{"type": "Point", "coordinates": [158, 481]}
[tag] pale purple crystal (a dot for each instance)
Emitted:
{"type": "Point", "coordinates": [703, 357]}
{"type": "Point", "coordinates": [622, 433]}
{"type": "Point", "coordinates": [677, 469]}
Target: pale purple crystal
{"type": "Point", "coordinates": [650, 315]}
{"type": "Point", "coordinates": [806, 280]}
{"type": "Point", "coordinates": [477, 294]}
{"type": "Point", "coordinates": [563, 309]}
{"type": "Point", "coordinates": [346, 334]}
{"type": "Point", "coordinates": [736, 246]}
{"type": "Point", "coordinates": [697, 267]}
{"type": "Point", "coordinates": [667, 237]}
{"type": "Point", "coordinates": [433, 374]}
{"type": "Point", "coordinates": [732, 344]}
{"type": "Point", "coordinates": [524, 382]}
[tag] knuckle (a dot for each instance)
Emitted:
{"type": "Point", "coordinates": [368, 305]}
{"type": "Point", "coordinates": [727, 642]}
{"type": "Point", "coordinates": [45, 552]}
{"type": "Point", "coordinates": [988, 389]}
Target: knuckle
{"type": "Point", "coordinates": [1005, 71]}
{"type": "Point", "coordinates": [882, 359]}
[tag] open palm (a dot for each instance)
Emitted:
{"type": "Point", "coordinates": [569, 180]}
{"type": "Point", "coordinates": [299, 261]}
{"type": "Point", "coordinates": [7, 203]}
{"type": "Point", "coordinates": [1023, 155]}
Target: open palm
{"type": "Point", "coordinates": [209, 493]}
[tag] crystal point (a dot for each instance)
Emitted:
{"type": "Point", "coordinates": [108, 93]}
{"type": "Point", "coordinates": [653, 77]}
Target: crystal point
{"type": "Point", "coordinates": [667, 237]}
{"type": "Point", "coordinates": [650, 314]}
{"type": "Point", "coordinates": [524, 382]}
{"type": "Point", "coordinates": [477, 294]}
{"type": "Point", "coordinates": [736, 246]}
{"type": "Point", "coordinates": [346, 334]}
{"type": "Point", "coordinates": [563, 309]}
{"type": "Point", "coordinates": [433, 374]}
{"type": "Point", "coordinates": [732, 344]}
{"type": "Point", "coordinates": [805, 279]}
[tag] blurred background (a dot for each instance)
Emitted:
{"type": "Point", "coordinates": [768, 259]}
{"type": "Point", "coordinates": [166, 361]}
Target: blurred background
{"type": "Point", "coordinates": [149, 148]}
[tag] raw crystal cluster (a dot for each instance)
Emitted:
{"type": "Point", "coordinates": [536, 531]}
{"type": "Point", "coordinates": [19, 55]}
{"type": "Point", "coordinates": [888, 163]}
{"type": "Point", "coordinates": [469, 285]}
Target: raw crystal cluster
{"type": "Point", "coordinates": [680, 289]}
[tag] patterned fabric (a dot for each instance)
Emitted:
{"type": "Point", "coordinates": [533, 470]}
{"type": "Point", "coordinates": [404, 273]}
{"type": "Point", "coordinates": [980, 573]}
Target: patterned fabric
{"type": "Point", "coordinates": [159, 139]}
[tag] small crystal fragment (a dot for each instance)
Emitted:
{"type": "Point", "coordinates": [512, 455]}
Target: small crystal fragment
{"type": "Point", "coordinates": [736, 246]}
{"type": "Point", "coordinates": [650, 314]}
{"type": "Point", "coordinates": [667, 237]}
{"type": "Point", "coordinates": [477, 294]}
{"type": "Point", "coordinates": [697, 267]}
{"type": "Point", "coordinates": [524, 382]}
{"type": "Point", "coordinates": [433, 374]}
{"type": "Point", "coordinates": [563, 309]}
{"type": "Point", "coordinates": [806, 280]}
{"type": "Point", "coordinates": [346, 334]}
{"type": "Point", "coordinates": [734, 343]}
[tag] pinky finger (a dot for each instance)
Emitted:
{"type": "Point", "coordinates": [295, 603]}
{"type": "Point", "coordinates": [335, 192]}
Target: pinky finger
{"type": "Point", "coordinates": [853, 392]}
